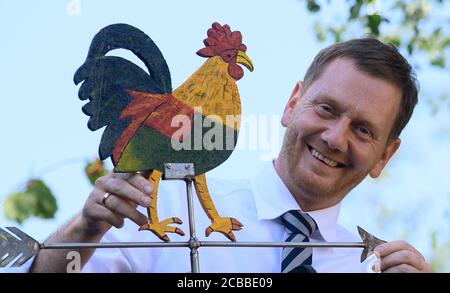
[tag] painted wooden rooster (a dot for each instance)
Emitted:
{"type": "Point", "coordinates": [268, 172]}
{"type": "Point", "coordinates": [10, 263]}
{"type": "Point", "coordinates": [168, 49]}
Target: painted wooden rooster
{"type": "Point", "coordinates": [143, 115]}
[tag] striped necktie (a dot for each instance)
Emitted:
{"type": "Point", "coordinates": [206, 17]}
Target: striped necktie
{"type": "Point", "coordinates": [298, 226]}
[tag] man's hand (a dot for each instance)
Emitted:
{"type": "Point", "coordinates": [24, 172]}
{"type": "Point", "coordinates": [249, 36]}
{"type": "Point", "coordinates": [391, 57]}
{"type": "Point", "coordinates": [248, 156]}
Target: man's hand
{"type": "Point", "coordinates": [127, 191]}
{"type": "Point", "coordinates": [400, 257]}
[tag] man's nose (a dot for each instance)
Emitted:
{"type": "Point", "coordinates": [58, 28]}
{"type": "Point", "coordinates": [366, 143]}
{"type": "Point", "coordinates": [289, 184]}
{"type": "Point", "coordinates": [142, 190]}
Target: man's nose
{"type": "Point", "coordinates": [336, 135]}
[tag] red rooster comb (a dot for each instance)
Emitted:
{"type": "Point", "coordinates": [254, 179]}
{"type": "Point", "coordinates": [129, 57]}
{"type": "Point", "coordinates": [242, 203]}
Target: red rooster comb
{"type": "Point", "coordinates": [221, 41]}
{"type": "Point", "coordinates": [221, 38]}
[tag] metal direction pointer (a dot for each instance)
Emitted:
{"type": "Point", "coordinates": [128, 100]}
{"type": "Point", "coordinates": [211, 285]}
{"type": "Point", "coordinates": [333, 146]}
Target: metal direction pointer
{"type": "Point", "coordinates": [18, 246]}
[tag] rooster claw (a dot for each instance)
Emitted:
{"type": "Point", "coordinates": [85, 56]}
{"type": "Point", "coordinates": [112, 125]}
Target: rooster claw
{"type": "Point", "coordinates": [160, 229]}
{"type": "Point", "coordinates": [224, 226]}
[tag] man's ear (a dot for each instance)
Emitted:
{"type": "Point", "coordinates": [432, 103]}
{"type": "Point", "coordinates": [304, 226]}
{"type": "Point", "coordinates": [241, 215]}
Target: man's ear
{"type": "Point", "coordinates": [292, 102]}
{"type": "Point", "coordinates": [385, 157]}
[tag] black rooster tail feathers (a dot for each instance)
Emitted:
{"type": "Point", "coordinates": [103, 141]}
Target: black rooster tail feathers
{"type": "Point", "coordinates": [124, 36]}
{"type": "Point", "coordinates": [106, 79]}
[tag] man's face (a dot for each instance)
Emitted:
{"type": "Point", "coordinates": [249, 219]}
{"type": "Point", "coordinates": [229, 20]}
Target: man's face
{"type": "Point", "coordinates": [337, 133]}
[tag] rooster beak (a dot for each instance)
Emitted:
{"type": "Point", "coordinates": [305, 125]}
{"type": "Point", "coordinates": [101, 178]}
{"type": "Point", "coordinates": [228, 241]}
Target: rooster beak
{"type": "Point", "coordinates": [243, 59]}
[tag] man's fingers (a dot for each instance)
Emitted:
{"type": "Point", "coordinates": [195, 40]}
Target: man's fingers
{"type": "Point", "coordinates": [400, 256]}
{"type": "Point", "coordinates": [397, 258]}
{"type": "Point", "coordinates": [138, 180]}
{"type": "Point", "coordinates": [403, 268]}
{"type": "Point", "coordinates": [123, 189]}
{"type": "Point", "coordinates": [124, 209]}
{"type": "Point", "coordinates": [106, 215]}
{"type": "Point", "coordinates": [393, 246]}
{"type": "Point", "coordinates": [100, 213]}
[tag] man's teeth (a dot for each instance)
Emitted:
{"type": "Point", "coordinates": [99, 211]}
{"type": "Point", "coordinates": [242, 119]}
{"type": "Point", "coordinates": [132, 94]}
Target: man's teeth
{"type": "Point", "coordinates": [324, 159]}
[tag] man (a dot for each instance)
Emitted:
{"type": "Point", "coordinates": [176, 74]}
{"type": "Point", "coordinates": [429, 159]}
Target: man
{"type": "Point", "coordinates": [343, 123]}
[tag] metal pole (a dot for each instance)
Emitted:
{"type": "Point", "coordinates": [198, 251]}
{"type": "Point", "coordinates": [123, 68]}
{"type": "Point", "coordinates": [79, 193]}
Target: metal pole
{"type": "Point", "coordinates": [282, 244]}
{"type": "Point", "coordinates": [74, 245]}
{"type": "Point", "coordinates": [193, 241]}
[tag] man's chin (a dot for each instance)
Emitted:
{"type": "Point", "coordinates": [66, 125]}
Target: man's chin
{"type": "Point", "coordinates": [318, 187]}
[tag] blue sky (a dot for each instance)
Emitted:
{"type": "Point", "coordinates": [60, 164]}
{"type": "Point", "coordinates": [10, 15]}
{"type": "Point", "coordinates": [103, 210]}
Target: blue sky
{"type": "Point", "coordinates": [42, 123]}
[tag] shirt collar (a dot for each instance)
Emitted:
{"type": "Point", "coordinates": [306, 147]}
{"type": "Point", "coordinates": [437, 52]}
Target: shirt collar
{"type": "Point", "coordinates": [273, 199]}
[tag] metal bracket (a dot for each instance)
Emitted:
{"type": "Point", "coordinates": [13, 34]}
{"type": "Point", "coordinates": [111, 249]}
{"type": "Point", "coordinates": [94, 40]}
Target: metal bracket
{"type": "Point", "coordinates": [179, 171]}
{"type": "Point", "coordinates": [185, 171]}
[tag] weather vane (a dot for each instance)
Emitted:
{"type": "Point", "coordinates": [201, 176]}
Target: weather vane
{"type": "Point", "coordinates": [176, 134]}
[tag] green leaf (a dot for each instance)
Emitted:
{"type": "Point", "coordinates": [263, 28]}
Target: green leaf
{"type": "Point", "coordinates": [320, 32]}
{"type": "Point", "coordinates": [46, 203]}
{"type": "Point", "coordinates": [434, 242]}
{"type": "Point", "coordinates": [373, 22]}
{"type": "Point", "coordinates": [312, 6]}
{"type": "Point", "coordinates": [394, 40]}
{"type": "Point", "coordinates": [355, 9]}
{"type": "Point", "coordinates": [337, 32]}
{"type": "Point", "coordinates": [438, 61]}
{"type": "Point", "coordinates": [94, 170]}
{"type": "Point", "coordinates": [410, 47]}
{"type": "Point", "coordinates": [36, 200]}
{"type": "Point", "coordinates": [19, 206]}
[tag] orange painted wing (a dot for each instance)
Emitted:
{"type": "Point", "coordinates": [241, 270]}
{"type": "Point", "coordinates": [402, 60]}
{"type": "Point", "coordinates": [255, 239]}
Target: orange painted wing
{"type": "Point", "coordinates": [153, 110]}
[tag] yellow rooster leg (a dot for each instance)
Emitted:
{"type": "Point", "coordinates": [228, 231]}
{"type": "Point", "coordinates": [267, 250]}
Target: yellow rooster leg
{"type": "Point", "coordinates": [218, 223]}
{"type": "Point", "coordinates": [154, 225]}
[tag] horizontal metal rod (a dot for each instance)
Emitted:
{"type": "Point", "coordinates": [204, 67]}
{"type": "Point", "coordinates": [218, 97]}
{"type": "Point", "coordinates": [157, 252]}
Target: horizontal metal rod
{"type": "Point", "coordinates": [75, 245]}
{"type": "Point", "coordinates": [283, 244]}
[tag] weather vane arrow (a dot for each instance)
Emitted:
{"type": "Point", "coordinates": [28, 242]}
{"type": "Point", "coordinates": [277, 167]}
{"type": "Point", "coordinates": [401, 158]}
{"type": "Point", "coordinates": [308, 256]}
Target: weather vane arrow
{"type": "Point", "coordinates": [14, 242]}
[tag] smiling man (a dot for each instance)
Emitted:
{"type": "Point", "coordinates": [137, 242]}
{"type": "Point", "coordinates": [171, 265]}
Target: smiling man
{"type": "Point", "coordinates": [343, 123]}
{"type": "Point", "coordinates": [338, 131]}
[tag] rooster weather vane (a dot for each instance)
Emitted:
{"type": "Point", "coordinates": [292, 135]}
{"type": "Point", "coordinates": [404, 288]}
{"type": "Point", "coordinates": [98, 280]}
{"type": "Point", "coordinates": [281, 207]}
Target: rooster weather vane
{"type": "Point", "coordinates": [142, 115]}
{"type": "Point", "coordinates": [138, 110]}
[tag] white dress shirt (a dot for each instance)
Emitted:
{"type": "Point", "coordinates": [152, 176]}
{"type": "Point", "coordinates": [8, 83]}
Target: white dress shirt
{"type": "Point", "coordinates": [257, 203]}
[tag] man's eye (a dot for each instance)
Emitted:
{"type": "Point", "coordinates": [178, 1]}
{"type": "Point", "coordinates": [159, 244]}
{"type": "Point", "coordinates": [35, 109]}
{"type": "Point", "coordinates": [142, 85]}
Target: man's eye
{"type": "Point", "coordinates": [325, 109]}
{"type": "Point", "coordinates": [363, 130]}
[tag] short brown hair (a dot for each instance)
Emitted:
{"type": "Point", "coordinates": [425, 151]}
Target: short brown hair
{"type": "Point", "coordinates": [379, 60]}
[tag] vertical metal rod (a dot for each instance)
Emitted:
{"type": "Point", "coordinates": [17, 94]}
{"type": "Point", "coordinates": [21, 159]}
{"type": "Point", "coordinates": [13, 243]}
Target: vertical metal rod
{"type": "Point", "coordinates": [193, 241]}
